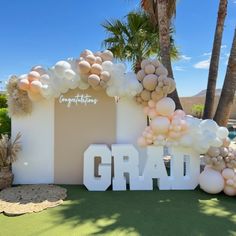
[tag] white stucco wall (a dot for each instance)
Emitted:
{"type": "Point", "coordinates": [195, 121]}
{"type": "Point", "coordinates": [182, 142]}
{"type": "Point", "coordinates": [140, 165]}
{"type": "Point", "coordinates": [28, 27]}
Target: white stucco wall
{"type": "Point", "coordinates": [131, 122]}
{"type": "Point", "coordinates": [35, 162]}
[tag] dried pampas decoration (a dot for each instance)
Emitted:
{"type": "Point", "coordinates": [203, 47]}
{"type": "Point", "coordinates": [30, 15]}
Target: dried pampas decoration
{"type": "Point", "coordinates": [19, 103]}
{"type": "Point", "coordinates": [9, 149]}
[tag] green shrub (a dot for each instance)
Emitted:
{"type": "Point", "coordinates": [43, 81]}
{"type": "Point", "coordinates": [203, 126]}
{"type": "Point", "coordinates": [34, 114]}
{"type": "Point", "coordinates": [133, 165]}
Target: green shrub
{"type": "Point", "coordinates": [5, 122]}
{"type": "Point", "coordinates": [3, 101]}
{"type": "Point", "coordinates": [197, 110]}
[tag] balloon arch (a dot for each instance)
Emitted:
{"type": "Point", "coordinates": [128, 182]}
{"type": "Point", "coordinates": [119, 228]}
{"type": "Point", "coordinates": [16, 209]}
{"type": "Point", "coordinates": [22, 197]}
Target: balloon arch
{"type": "Point", "coordinates": [149, 87]}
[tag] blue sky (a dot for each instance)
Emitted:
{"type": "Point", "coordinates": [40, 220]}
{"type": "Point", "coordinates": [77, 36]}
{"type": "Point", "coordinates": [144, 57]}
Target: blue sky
{"type": "Point", "coordinates": [43, 32]}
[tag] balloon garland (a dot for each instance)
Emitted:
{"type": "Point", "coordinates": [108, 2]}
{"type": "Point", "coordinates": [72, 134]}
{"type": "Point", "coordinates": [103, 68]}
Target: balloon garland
{"type": "Point", "coordinates": [94, 70]}
{"type": "Point", "coordinates": [150, 87]}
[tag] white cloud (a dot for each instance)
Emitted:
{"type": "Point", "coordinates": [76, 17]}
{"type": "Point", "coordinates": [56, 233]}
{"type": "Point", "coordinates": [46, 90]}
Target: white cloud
{"type": "Point", "coordinates": [206, 54]}
{"type": "Point", "coordinates": [185, 58]}
{"type": "Point", "coordinates": [223, 46]}
{"type": "Point", "coordinates": [202, 64]}
{"type": "Point", "coordinates": [179, 68]}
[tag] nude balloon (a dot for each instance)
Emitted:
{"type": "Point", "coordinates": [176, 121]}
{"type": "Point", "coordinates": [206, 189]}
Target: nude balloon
{"type": "Point", "coordinates": [165, 107]}
{"type": "Point", "coordinates": [23, 84]}
{"type": "Point", "coordinates": [160, 125]}
{"type": "Point", "coordinates": [84, 67]}
{"type": "Point", "coordinates": [228, 173]}
{"type": "Point", "coordinates": [35, 86]}
{"type": "Point", "coordinates": [211, 181]}
{"type": "Point", "coordinates": [33, 75]}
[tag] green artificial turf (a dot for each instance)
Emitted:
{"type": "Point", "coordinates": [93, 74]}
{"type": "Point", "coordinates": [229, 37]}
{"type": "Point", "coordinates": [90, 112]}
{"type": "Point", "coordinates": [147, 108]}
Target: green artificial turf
{"type": "Point", "coordinates": [129, 213]}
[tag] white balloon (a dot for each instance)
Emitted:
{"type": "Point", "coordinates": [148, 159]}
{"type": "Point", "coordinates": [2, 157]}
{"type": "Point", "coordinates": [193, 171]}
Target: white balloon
{"type": "Point", "coordinates": [60, 67]}
{"type": "Point", "coordinates": [222, 132]}
{"type": "Point", "coordinates": [69, 74]}
{"type": "Point", "coordinates": [210, 125]}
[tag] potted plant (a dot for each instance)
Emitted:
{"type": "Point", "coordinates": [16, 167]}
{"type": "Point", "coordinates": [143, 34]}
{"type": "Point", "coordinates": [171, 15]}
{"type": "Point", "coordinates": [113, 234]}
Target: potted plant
{"type": "Point", "coordinates": [8, 154]}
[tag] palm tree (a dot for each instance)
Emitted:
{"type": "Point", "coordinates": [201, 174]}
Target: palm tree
{"type": "Point", "coordinates": [134, 39]}
{"type": "Point", "coordinates": [214, 63]}
{"type": "Point", "coordinates": [229, 88]}
{"type": "Point", "coordinates": [161, 12]}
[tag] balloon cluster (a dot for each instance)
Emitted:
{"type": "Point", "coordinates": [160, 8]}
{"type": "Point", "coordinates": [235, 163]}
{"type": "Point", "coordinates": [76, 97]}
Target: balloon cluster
{"type": "Point", "coordinates": [31, 83]}
{"type": "Point", "coordinates": [91, 70]}
{"type": "Point", "coordinates": [219, 158]}
{"type": "Point", "coordinates": [213, 181]}
{"type": "Point", "coordinates": [229, 176]}
{"type": "Point", "coordinates": [167, 126]}
{"type": "Point", "coordinates": [203, 134]}
{"type": "Point", "coordinates": [153, 78]}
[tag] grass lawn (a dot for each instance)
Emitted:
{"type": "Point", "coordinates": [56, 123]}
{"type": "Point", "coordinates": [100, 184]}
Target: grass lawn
{"type": "Point", "coordinates": [129, 213]}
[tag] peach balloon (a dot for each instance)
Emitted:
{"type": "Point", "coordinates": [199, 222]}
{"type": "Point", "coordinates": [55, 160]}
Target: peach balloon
{"type": "Point", "coordinates": [160, 125]}
{"type": "Point", "coordinates": [228, 173]}
{"type": "Point", "coordinates": [84, 67]}
{"type": "Point", "coordinates": [142, 142]}
{"type": "Point", "coordinates": [96, 69]}
{"type": "Point", "coordinates": [91, 59]}
{"type": "Point", "coordinates": [229, 190]}
{"type": "Point", "coordinates": [94, 80]}
{"type": "Point", "coordinates": [151, 104]}
{"type": "Point", "coordinates": [105, 76]}
{"type": "Point", "coordinates": [33, 75]}
{"type": "Point", "coordinates": [152, 113]}
{"type": "Point", "coordinates": [179, 113]}
{"type": "Point", "coordinates": [107, 55]}
{"type": "Point", "coordinates": [23, 84]}
{"type": "Point", "coordinates": [165, 107]}
{"type": "Point", "coordinates": [35, 86]}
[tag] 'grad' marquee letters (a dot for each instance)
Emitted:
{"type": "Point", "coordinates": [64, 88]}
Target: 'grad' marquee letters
{"type": "Point", "coordinates": [126, 163]}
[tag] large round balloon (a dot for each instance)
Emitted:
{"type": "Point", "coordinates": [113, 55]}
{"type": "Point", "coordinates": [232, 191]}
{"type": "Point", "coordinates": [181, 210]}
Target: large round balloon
{"type": "Point", "coordinates": [211, 181]}
{"type": "Point", "coordinates": [165, 107]}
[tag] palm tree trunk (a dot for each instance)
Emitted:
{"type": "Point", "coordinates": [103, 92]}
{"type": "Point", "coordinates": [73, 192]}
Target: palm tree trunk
{"type": "Point", "coordinates": [214, 63]}
{"type": "Point", "coordinates": [164, 37]}
{"type": "Point", "coordinates": [228, 90]}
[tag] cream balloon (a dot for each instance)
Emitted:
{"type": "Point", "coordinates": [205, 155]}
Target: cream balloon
{"type": "Point", "coordinates": [160, 125]}
{"type": "Point", "coordinates": [211, 181]}
{"type": "Point", "coordinates": [165, 107]}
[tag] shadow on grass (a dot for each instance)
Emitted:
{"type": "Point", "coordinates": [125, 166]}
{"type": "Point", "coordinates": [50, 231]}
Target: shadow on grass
{"type": "Point", "coordinates": [148, 212]}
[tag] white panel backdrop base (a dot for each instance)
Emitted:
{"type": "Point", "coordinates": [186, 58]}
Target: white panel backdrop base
{"type": "Point", "coordinates": [35, 162]}
{"type": "Point", "coordinates": [131, 121]}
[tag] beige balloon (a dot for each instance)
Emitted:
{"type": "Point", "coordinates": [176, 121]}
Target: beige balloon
{"type": "Point", "coordinates": [150, 82]}
{"type": "Point", "coordinates": [145, 95]}
{"type": "Point", "coordinates": [144, 63]}
{"type": "Point", "coordinates": [140, 75]}
{"type": "Point", "coordinates": [33, 75]}
{"type": "Point", "coordinates": [93, 80]}
{"type": "Point", "coordinates": [105, 76]}
{"type": "Point", "coordinates": [98, 60]}
{"type": "Point", "coordinates": [107, 55]}
{"type": "Point", "coordinates": [84, 67]}
{"type": "Point", "coordinates": [149, 69]}
{"type": "Point", "coordinates": [96, 69]}
{"type": "Point", "coordinates": [85, 53]}
{"type": "Point", "coordinates": [91, 59]}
